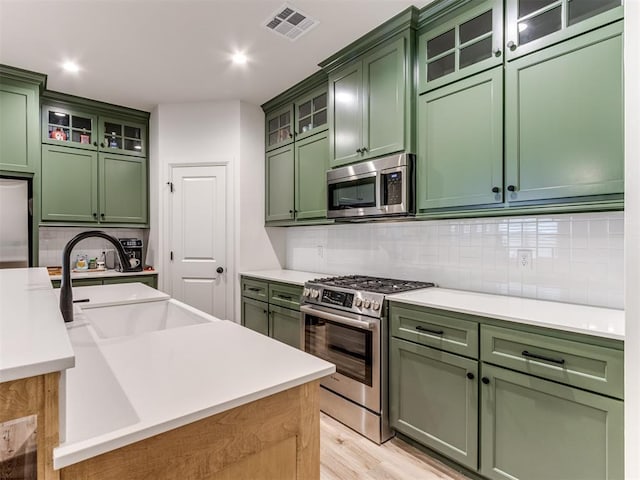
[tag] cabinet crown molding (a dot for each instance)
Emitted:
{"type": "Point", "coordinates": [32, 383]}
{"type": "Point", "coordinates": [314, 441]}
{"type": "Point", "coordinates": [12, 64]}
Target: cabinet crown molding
{"type": "Point", "coordinates": [22, 75]}
{"type": "Point", "coordinates": [290, 95]}
{"type": "Point", "coordinates": [63, 99]}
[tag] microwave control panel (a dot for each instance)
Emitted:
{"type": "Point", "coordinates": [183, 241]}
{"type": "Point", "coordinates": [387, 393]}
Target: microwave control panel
{"type": "Point", "coordinates": [392, 188]}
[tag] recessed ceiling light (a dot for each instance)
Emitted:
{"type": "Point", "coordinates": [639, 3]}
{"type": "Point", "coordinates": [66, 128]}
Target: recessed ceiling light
{"type": "Point", "coordinates": [239, 58]}
{"type": "Point", "coordinates": [71, 67]}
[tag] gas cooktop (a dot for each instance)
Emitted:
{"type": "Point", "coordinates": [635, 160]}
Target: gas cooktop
{"type": "Point", "coordinates": [372, 284]}
{"type": "Point", "coordinates": [358, 294]}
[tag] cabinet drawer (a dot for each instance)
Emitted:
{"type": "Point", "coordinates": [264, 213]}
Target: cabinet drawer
{"type": "Point", "coordinates": [287, 296]}
{"type": "Point", "coordinates": [255, 289]}
{"type": "Point", "coordinates": [435, 328]}
{"type": "Point", "coordinates": [581, 365]}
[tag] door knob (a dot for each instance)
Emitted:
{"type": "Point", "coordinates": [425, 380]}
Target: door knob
{"type": "Point", "coordinates": [220, 270]}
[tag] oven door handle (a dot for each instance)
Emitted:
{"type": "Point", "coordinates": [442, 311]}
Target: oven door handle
{"type": "Point", "coordinates": [338, 318]}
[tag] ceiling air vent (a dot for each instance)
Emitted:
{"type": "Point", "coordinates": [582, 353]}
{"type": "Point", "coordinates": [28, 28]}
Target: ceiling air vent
{"type": "Point", "coordinates": [290, 22]}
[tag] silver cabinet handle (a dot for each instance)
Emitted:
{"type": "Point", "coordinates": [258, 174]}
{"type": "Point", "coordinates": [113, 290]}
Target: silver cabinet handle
{"type": "Point", "coordinates": [512, 45]}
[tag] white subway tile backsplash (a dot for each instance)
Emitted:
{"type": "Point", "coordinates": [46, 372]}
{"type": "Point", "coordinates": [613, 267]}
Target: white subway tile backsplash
{"type": "Point", "coordinates": [576, 258]}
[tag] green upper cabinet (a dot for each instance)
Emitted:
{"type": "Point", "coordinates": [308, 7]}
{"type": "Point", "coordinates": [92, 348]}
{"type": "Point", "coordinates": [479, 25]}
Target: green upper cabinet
{"type": "Point", "coordinates": [80, 186]}
{"type": "Point", "coordinates": [311, 114]}
{"type": "Point", "coordinates": [535, 24]}
{"type": "Point", "coordinates": [459, 128]}
{"type": "Point", "coordinates": [466, 41]}
{"type": "Point", "coordinates": [279, 127]}
{"type": "Point", "coordinates": [311, 164]}
{"type": "Point", "coordinates": [368, 104]}
{"type": "Point", "coordinates": [94, 166]}
{"type": "Point", "coordinates": [63, 126]}
{"type": "Point", "coordinates": [19, 120]}
{"type": "Point", "coordinates": [69, 185]}
{"type": "Point", "coordinates": [279, 172]}
{"type": "Point", "coordinates": [533, 429]}
{"type": "Point", "coordinates": [123, 188]}
{"type": "Point", "coordinates": [564, 119]}
{"type": "Point", "coordinates": [295, 171]}
{"type": "Point", "coordinates": [122, 136]}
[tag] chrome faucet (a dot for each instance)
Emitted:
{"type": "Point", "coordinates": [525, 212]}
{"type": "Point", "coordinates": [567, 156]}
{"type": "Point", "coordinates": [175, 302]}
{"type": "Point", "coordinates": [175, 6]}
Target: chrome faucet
{"type": "Point", "coordinates": [66, 295]}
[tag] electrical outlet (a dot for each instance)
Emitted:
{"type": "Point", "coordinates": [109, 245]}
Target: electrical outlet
{"type": "Point", "coordinates": [525, 259]}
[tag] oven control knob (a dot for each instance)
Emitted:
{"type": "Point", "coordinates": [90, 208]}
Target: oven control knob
{"type": "Point", "coordinates": [358, 302]}
{"type": "Point", "coordinates": [315, 293]}
{"type": "Point", "coordinates": [375, 305]}
{"type": "Point", "coordinates": [367, 303]}
{"type": "Point", "coordinates": [305, 292]}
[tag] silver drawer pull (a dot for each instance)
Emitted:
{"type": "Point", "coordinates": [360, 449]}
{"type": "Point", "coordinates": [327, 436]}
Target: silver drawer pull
{"type": "Point", "coordinates": [284, 297]}
{"type": "Point", "coordinates": [559, 361]}
{"type": "Point", "coordinates": [254, 289]}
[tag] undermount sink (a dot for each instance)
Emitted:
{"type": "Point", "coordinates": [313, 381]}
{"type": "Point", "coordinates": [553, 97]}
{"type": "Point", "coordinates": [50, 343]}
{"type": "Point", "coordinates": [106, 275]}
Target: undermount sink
{"type": "Point", "coordinates": [133, 319]}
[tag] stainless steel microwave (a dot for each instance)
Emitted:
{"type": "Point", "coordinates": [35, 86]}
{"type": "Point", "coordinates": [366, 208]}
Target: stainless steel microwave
{"type": "Point", "coordinates": [376, 188]}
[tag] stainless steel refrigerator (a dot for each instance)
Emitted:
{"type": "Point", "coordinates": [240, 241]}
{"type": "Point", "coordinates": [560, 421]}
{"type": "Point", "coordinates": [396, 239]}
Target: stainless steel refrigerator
{"type": "Point", "coordinates": [15, 220]}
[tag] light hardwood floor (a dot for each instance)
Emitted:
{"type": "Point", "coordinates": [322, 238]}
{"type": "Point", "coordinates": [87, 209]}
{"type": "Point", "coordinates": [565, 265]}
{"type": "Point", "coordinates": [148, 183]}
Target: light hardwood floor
{"type": "Point", "coordinates": [346, 455]}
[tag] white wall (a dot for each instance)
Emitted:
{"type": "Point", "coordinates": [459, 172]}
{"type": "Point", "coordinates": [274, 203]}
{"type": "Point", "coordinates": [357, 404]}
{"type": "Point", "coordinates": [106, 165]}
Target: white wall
{"type": "Point", "coordinates": [223, 132]}
{"type": "Point", "coordinates": [632, 238]}
{"type": "Point", "coordinates": [577, 258]}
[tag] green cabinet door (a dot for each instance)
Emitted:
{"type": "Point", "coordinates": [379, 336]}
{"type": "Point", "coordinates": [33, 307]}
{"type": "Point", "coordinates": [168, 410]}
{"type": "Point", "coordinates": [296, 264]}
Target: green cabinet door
{"type": "Point", "coordinates": [535, 24]}
{"type": "Point", "coordinates": [464, 42]}
{"type": "Point", "coordinates": [69, 184]}
{"type": "Point", "coordinates": [19, 125]}
{"type": "Point", "coordinates": [255, 315]}
{"type": "Point", "coordinates": [345, 115]}
{"type": "Point", "coordinates": [279, 202]}
{"type": "Point", "coordinates": [64, 126]}
{"type": "Point", "coordinates": [434, 399]}
{"type": "Point", "coordinates": [279, 127]}
{"type": "Point", "coordinates": [286, 325]}
{"type": "Point", "coordinates": [311, 165]}
{"type": "Point", "coordinates": [384, 93]}
{"type": "Point", "coordinates": [564, 119]}
{"type": "Point", "coordinates": [123, 189]}
{"type": "Point", "coordinates": [311, 114]}
{"type": "Point", "coordinates": [122, 136]}
{"type": "Point", "coordinates": [460, 143]}
{"type": "Point", "coordinates": [534, 429]}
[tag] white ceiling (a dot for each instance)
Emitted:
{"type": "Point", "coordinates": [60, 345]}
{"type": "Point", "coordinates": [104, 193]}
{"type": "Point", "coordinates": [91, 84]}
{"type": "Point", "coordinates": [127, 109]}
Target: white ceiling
{"type": "Point", "coordinates": [141, 53]}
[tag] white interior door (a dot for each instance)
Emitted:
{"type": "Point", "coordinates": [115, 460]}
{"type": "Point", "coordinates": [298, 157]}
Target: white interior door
{"type": "Point", "coordinates": [197, 237]}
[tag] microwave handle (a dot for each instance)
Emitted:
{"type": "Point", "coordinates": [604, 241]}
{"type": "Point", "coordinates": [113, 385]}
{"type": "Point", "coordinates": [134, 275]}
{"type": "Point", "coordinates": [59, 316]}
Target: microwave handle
{"type": "Point", "coordinates": [379, 188]}
{"type": "Point", "coordinates": [305, 309]}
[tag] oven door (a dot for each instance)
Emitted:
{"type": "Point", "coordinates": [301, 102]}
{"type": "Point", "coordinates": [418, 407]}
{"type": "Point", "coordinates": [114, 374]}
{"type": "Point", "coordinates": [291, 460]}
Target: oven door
{"type": "Point", "coordinates": [352, 343]}
{"type": "Point", "coordinates": [354, 196]}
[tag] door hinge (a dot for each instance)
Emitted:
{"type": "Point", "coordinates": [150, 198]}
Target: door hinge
{"type": "Point", "coordinates": [171, 256]}
{"type": "Point", "coordinates": [170, 186]}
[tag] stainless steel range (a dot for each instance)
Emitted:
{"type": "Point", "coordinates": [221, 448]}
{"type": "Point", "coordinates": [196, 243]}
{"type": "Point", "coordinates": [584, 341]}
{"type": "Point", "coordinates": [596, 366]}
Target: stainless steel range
{"type": "Point", "coordinates": [345, 324]}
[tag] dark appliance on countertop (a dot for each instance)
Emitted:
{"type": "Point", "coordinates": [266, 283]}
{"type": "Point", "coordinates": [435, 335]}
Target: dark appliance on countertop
{"type": "Point", "coordinates": [133, 249]}
{"type": "Point", "coordinates": [379, 188]}
{"type": "Point", "coordinates": [345, 323]}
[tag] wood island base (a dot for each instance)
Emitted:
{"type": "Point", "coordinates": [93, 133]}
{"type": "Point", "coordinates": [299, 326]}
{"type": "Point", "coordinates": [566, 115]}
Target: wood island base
{"type": "Point", "coordinates": [277, 437]}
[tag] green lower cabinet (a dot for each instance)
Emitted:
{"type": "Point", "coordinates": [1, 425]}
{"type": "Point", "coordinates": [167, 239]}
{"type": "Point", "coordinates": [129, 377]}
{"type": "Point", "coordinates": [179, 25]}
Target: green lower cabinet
{"type": "Point", "coordinates": [286, 325]}
{"type": "Point", "coordinates": [123, 188]}
{"type": "Point", "coordinates": [311, 165]}
{"type": "Point", "coordinates": [564, 119]}
{"type": "Point", "coordinates": [69, 185]}
{"type": "Point", "coordinates": [434, 399]}
{"type": "Point", "coordinates": [280, 184]}
{"type": "Point", "coordinates": [255, 315]}
{"type": "Point", "coordinates": [533, 429]}
{"type": "Point", "coordinates": [149, 280]}
{"type": "Point", "coordinates": [460, 143]}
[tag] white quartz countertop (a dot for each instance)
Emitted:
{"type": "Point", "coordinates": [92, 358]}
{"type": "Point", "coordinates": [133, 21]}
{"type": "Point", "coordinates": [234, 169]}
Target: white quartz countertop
{"type": "Point", "coordinates": [125, 389]}
{"type": "Point", "coordinates": [286, 276]}
{"type": "Point", "coordinates": [33, 336]}
{"type": "Point", "coordinates": [104, 273]}
{"type": "Point", "coordinates": [601, 322]}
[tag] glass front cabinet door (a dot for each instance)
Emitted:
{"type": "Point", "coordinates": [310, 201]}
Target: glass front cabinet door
{"type": "Point", "coordinates": [311, 114]}
{"type": "Point", "coordinates": [535, 24]}
{"type": "Point", "coordinates": [122, 136]}
{"type": "Point", "coordinates": [459, 46]}
{"type": "Point", "coordinates": [279, 127]}
{"type": "Point", "coordinates": [62, 126]}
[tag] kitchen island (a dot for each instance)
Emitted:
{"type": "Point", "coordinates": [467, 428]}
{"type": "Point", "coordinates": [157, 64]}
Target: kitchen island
{"type": "Point", "coordinates": [202, 398]}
